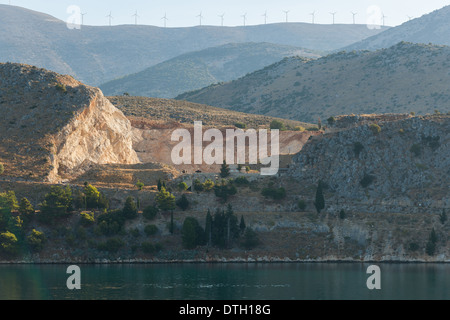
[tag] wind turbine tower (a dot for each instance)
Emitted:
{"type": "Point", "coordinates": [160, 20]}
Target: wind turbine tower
{"type": "Point", "coordinates": [110, 18]}
{"type": "Point", "coordinates": [265, 17]}
{"type": "Point", "coordinates": [135, 18]}
{"type": "Point", "coordinates": [333, 14]}
{"type": "Point", "coordinates": [165, 19]}
{"type": "Point", "coordinates": [286, 13]}
{"type": "Point", "coordinates": [244, 16]}
{"type": "Point", "coordinates": [82, 17]}
{"type": "Point", "coordinates": [354, 14]}
{"type": "Point", "coordinates": [383, 17]}
{"type": "Point", "coordinates": [200, 17]}
{"type": "Point", "coordinates": [221, 17]}
{"type": "Point", "coordinates": [313, 16]}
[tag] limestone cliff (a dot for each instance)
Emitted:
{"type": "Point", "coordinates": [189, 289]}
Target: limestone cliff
{"type": "Point", "coordinates": [54, 127]}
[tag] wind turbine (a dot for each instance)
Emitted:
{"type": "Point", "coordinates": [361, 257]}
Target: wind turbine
{"type": "Point", "coordinates": [313, 16]}
{"type": "Point", "coordinates": [135, 17]}
{"type": "Point", "coordinates": [354, 14]}
{"type": "Point", "coordinates": [245, 17]}
{"type": "Point", "coordinates": [221, 17]}
{"type": "Point", "coordinates": [383, 17]}
{"type": "Point", "coordinates": [265, 17]}
{"type": "Point", "coordinates": [165, 19]}
{"type": "Point", "coordinates": [110, 18]}
{"type": "Point", "coordinates": [200, 17]}
{"type": "Point", "coordinates": [82, 17]}
{"type": "Point", "coordinates": [286, 13]}
{"type": "Point", "coordinates": [333, 14]}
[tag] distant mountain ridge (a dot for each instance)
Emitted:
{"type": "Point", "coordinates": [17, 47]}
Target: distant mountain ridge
{"type": "Point", "coordinates": [401, 79]}
{"type": "Point", "coordinates": [199, 69]}
{"type": "Point", "coordinates": [95, 55]}
{"type": "Point", "coordinates": [430, 28]}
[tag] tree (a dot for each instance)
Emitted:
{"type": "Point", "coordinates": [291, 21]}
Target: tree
{"type": "Point", "coordinates": [208, 185]}
{"type": "Point", "coordinates": [159, 184]}
{"type": "Point", "coordinates": [57, 203]}
{"type": "Point", "coordinates": [2, 168]}
{"type": "Point", "coordinates": [36, 240]}
{"type": "Point", "coordinates": [150, 212]}
{"type": "Point", "coordinates": [208, 227]}
{"type": "Point", "coordinates": [430, 248]}
{"type": "Point", "coordinates": [224, 190]}
{"type": "Point", "coordinates": [320, 200]}
{"type": "Point", "coordinates": [183, 202]}
{"type": "Point", "coordinates": [182, 186]}
{"type": "Point", "coordinates": [276, 125]}
{"type": "Point", "coordinates": [443, 216]}
{"type": "Point", "coordinates": [25, 209]}
{"type": "Point", "coordinates": [92, 196]}
{"type": "Point", "coordinates": [165, 200]}
{"type": "Point", "coordinates": [192, 233]}
{"type": "Point", "coordinates": [8, 201]}
{"type": "Point", "coordinates": [198, 186]}
{"type": "Point", "coordinates": [251, 239]}
{"type": "Point", "coordinates": [242, 225]}
{"type": "Point", "coordinates": [224, 170]}
{"type": "Point", "coordinates": [8, 243]}
{"type": "Point", "coordinates": [129, 210]}
{"type": "Point", "coordinates": [342, 214]}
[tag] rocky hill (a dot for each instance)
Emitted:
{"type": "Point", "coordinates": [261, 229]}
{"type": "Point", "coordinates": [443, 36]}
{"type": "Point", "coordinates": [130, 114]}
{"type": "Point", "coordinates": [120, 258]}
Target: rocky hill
{"type": "Point", "coordinates": [95, 55]}
{"type": "Point", "coordinates": [53, 127]}
{"type": "Point", "coordinates": [169, 111]}
{"type": "Point", "coordinates": [430, 28]}
{"type": "Point", "coordinates": [381, 165]}
{"type": "Point", "coordinates": [401, 79]}
{"type": "Point", "coordinates": [199, 69]}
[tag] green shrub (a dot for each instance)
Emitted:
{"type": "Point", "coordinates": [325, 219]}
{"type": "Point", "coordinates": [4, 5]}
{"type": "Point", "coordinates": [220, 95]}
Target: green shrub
{"type": "Point", "coordinates": [208, 185]}
{"type": "Point", "coordinates": [240, 125]}
{"type": "Point", "coordinates": [111, 245]}
{"type": "Point", "coordinates": [416, 149]}
{"type": "Point", "coordinates": [274, 193]}
{"type": "Point", "coordinates": [150, 212]}
{"type": "Point", "coordinates": [2, 168]}
{"type": "Point", "coordinates": [277, 125]}
{"type": "Point", "coordinates": [151, 230]}
{"type": "Point", "coordinates": [148, 247]}
{"type": "Point", "coordinates": [182, 186]}
{"type": "Point", "coordinates": [367, 180]}
{"type": "Point", "coordinates": [241, 181]}
{"type": "Point", "coordinates": [342, 214]}
{"type": "Point", "coordinates": [87, 218]}
{"type": "Point", "coordinates": [183, 203]}
{"type": "Point", "coordinates": [375, 128]}
{"type": "Point", "coordinates": [301, 205]}
{"type": "Point", "coordinates": [139, 185]}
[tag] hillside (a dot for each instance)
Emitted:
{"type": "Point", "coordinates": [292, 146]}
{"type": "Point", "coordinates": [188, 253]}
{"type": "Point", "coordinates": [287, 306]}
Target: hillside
{"type": "Point", "coordinates": [430, 28]}
{"type": "Point", "coordinates": [53, 127]}
{"type": "Point", "coordinates": [168, 111]}
{"type": "Point", "coordinates": [380, 163]}
{"type": "Point", "coordinates": [401, 79]}
{"type": "Point", "coordinates": [95, 55]}
{"type": "Point", "coordinates": [199, 69]}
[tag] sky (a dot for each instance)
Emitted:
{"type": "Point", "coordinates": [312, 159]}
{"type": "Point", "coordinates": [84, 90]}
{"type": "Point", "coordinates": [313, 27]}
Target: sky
{"type": "Point", "coordinates": [185, 13]}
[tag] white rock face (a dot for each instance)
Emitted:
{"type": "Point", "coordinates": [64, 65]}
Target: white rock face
{"type": "Point", "coordinates": [99, 133]}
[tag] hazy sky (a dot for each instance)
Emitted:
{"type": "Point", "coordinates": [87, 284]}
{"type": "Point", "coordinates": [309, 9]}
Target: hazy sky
{"type": "Point", "coordinates": [181, 13]}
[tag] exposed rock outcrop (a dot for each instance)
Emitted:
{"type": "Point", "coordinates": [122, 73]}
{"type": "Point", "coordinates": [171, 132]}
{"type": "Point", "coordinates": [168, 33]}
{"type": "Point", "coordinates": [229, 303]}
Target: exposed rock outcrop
{"type": "Point", "coordinates": [54, 127]}
{"type": "Point", "coordinates": [402, 163]}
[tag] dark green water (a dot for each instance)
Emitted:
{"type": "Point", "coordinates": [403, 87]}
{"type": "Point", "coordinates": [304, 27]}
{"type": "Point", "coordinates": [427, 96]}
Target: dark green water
{"type": "Point", "coordinates": [226, 282]}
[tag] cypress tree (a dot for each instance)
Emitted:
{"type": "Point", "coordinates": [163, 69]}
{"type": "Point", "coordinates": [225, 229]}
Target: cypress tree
{"type": "Point", "coordinates": [320, 200]}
